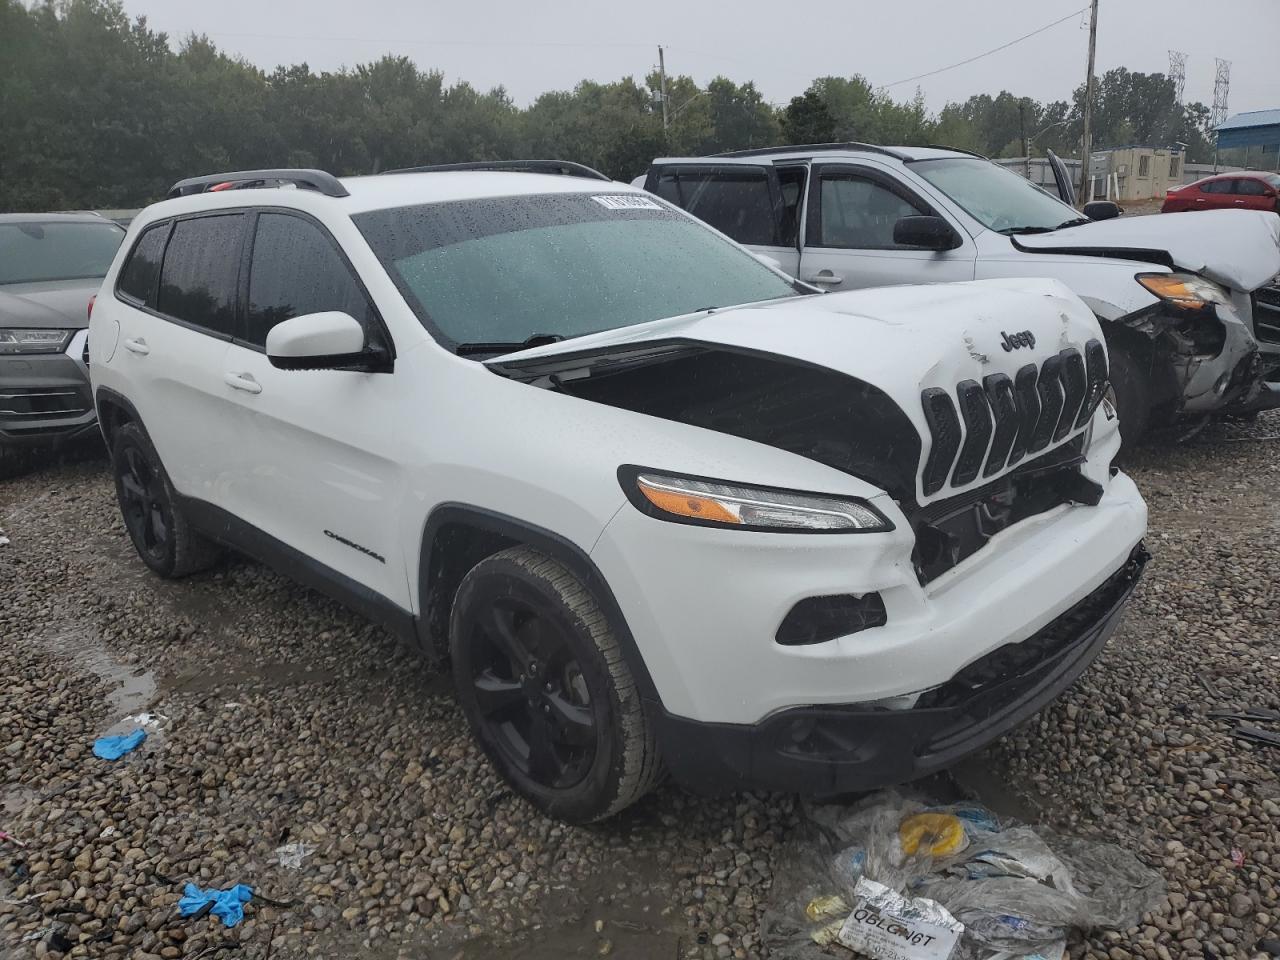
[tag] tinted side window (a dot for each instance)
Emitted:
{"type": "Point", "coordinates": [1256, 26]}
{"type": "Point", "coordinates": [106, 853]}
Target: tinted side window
{"type": "Point", "coordinates": [735, 202]}
{"type": "Point", "coordinates": [201, 267]}
{"type": "Point", "coordinates": [1216, 186]}
{"type": "Point", "coordinates": [297, 270]}
{"type": "Point", "coordinates": [137, 279]}
{"type": "Point", "coordinates": [860, 214]}
{"type": "Point", "coordinates": [1250, 188]}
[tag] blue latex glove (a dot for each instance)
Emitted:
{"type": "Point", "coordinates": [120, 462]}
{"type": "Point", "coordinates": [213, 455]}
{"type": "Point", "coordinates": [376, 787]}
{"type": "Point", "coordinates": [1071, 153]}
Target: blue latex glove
{"type": "Point", "coordinates": [113, 748]}
{"type": "Point", "coordinates": [227, 904]}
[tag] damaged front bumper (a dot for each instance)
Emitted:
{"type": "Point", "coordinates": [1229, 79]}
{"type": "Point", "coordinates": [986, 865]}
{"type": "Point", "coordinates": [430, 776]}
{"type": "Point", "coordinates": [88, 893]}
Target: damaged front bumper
{"type": "Point", "coordinates": [863, 746]}
{"type": "Point", "coordinates": [1204, 363]}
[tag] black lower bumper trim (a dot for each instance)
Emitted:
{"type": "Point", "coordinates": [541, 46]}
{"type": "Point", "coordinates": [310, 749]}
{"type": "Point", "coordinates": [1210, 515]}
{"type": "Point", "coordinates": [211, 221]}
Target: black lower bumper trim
{"type": "Point", "coordinates": [854, 747]}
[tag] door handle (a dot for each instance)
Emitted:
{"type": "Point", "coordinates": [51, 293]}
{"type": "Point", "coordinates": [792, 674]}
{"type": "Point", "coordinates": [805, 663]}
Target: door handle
{"type": "Point", "coordinates": [137, 345]}
{"type": "Point", "coordinates": [826, 277]}
{"type": "Point", "coordinates": [242, 381]}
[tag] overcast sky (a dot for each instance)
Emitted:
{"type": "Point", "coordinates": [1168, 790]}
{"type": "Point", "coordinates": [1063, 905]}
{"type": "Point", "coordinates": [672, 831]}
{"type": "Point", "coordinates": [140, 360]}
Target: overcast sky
{"type": "Point", "coordinates": [531, 47]}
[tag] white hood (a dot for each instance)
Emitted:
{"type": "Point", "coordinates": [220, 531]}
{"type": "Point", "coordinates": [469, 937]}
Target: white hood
{"type": "Point", "coordinates": [1237, 248]}
{"type": "Point", "coordinates": [900, 340]}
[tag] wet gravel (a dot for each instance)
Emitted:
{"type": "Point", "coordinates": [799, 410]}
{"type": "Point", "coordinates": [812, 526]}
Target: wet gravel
{"type": "Point", "coordinates": [282, 719]}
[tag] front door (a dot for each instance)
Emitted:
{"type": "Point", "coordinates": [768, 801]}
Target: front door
{"type": "Point", "coordinates": [318, 451]}
{"type": "Point", "coordinates": [1252, 194]}
{"type": "Point", "coordinates": [852, 211]}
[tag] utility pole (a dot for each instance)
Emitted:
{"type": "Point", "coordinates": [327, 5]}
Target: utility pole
{"type": "Point", "coordinates": [662, 88]}
{"type": "Point", "coordinates": [1086, 154]}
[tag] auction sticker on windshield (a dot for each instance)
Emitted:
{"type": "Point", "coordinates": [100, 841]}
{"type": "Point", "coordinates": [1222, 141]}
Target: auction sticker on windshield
{"type": "Point", "coordinates": [887, 926]}
{"type": "Point", "coordinates": [625, 202]}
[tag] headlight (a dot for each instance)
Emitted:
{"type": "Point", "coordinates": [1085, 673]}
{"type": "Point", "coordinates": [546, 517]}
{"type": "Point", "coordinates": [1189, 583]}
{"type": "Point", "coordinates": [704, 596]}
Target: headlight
{"type": "Point", "coordinates": [1184, 290]}
{"type": "Point", "coordinates": [712, 503]}
{"type": "Point", "coordinates": [14, 340]}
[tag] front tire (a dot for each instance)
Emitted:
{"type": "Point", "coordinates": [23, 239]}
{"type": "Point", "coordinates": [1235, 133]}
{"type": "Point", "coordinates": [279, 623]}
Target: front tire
{"type": "Point", "coordinates": [157, 524]}
{"type": "Point", "coordinates": [543, 683]}
{"type": "Point", "coordinates": [1132, 385]}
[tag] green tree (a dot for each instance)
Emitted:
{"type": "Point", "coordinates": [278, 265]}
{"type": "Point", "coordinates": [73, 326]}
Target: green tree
{"type": "Point", "coordinates": [807, 119]}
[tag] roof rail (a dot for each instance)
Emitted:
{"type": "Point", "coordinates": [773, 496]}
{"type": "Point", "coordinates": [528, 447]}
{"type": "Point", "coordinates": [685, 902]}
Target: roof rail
{"type": "Point", "coordinates": [943, 146]}
{"type": "Point", "coordinates": [815, 148]}
{"type": "Point", "coordinates": [565, 168]}
{"type": "Point", "coordinates": [317, 180]}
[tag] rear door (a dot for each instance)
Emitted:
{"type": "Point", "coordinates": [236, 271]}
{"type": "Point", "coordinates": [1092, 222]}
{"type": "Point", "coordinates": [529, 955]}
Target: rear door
{"type": "Point", "coordinates": [740, 198]}
{"type": "Point", "coordinates": [316, 461]}
{"type": "Point", "coordinates": [176, 300]}
{"type": "Point", "coordinates": [849, 223]}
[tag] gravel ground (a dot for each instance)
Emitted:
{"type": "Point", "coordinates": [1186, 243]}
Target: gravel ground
{"type": "Point", "coordinates": [288, 720]}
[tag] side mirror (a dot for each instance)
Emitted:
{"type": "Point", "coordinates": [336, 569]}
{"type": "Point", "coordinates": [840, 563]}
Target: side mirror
{"type": "Point", "coordinates": [932, 233]}
{"type": "Point", "coordinates": [321, 341]}
{"type": "Point", "coordinates": [1102, 210]}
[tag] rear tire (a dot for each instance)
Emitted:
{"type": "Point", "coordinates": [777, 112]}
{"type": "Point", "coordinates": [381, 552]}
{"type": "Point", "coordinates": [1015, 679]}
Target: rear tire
{"type": "Point", "coordinates": [543, 682]}
{"type": "Point", "coordinates": [153, 515]}
{"type": "Point", "coordinates": [1132, 386]}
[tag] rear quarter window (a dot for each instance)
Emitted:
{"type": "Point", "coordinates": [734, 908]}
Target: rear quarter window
{"type": "Point", "coordinates": [137, 280]}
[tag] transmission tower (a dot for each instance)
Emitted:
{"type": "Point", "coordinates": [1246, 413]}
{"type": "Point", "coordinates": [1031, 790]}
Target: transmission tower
{"type": "Point", "coordinates": [1221, 85]}
{"type": "Point", "coordinates": [1178, 73]}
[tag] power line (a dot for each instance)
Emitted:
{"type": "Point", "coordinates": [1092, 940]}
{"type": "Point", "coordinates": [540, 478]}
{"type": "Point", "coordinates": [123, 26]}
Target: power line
{"type": "Point", "coordinates": [1003, 46]}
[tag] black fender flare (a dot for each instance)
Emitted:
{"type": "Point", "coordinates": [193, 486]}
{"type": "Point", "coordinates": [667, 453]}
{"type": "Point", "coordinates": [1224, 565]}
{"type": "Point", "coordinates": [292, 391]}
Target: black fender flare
{"type": "Point", "coordinates": [549, 542]}
{"type": "Point", "coordinates": [106, 396]}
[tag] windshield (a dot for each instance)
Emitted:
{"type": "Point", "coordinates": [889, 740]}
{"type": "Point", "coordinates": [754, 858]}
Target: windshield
{"type": "Point", "coordinates": [997, 198]}
{"type": "Point", "coordinates": [508, 270]}
{"type": "Point", "coordinates": [52, 250]}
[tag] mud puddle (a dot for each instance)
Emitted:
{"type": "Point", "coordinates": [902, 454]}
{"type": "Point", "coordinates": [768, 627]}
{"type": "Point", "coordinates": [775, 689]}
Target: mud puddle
{"type": "Point", "coordinates": [627, 911]}
{"type": "Point", "coordinates": [131, 690]}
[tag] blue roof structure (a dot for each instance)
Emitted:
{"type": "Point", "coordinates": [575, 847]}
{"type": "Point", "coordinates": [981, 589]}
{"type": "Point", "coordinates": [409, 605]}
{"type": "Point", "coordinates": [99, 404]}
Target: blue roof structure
{"type": "Point", "coordinates": [1252, 129]}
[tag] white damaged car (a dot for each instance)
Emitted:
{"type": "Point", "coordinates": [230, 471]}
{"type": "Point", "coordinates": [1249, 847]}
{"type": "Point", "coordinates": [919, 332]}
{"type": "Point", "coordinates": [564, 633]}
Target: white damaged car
{"type": "Point", "coordinates": [662, 510]}
{"type": "Point", "coordinates": [1177, 295]}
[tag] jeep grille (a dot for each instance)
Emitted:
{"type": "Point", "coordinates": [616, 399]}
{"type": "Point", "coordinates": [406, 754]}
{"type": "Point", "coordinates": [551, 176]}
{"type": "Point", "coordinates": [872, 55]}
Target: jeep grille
{"type": "Point", "coordinates": [1005, 420]}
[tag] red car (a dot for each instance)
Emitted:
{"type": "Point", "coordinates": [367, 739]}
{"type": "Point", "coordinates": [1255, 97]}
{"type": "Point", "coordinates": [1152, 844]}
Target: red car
{"type": "Point", "coordinates": [1239, 191]}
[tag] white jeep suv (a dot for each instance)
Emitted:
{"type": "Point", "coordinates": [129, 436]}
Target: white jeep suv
{"type": "Point", "coordinates": [661, 508]}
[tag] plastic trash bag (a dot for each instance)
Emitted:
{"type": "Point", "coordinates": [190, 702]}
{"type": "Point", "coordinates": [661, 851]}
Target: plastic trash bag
{"type": "Point", "coordinates": [1018, 890]}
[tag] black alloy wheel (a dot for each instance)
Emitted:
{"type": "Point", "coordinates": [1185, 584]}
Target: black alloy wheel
{"type": "Point", "coordinates": [531, 692]}
{"type": "Point", "coordinates": [153, 513]}
{"type": "Point", "coordinates": [544, 684]}
{"type": "Point", "coordinates": [142, 502]}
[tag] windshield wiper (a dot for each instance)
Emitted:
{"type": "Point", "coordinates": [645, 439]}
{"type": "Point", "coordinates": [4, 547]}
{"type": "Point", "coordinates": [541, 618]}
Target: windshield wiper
{"type": "Point", "coordinates": [500, 346]}
{"type": "Point", "coordinates": [1019, 231]}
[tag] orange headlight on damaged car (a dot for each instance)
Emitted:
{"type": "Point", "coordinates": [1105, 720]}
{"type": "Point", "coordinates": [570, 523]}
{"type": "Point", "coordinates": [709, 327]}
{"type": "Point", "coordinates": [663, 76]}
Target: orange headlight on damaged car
{"type": "Point", "coordinates": [709, 502]}
{"type": "Point", "coordinates": [1185, 290]}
